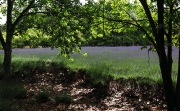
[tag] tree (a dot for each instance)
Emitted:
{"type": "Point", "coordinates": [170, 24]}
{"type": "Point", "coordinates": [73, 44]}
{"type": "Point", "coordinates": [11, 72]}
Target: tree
{"type": "Point", "coordinates": [54, 18]}
{"type": "Point", "coordinates": [162, 19]}
{"type": "Point", "coordinates": [10, 28]}
{"type": "Point", "coordinates": [163, 34]}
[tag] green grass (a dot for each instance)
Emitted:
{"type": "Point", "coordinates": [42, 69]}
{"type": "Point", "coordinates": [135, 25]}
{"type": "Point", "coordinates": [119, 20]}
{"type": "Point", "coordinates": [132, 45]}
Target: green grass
{"type": "Point", "coordinates": [121, 66]}
{"type": "Point", "coordinates": [99, 73]}
{"type": "Point", "coordinates": [98, 67]}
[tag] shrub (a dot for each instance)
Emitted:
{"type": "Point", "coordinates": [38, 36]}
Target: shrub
{"type": "Point", "coordinates": [42, 96]}
{"type": "Point", "coordinates": [63, 98]}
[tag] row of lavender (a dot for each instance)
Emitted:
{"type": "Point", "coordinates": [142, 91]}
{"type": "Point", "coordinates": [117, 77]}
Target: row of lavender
{"type": "Point", "coordinates": [108, 52]}
{"type": "Point", "coordinates": [124, 61]}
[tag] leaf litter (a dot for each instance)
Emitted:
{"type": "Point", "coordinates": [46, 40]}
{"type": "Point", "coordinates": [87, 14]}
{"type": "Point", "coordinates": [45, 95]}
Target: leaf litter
{"type": "Point", "coordinates": [123, 95]}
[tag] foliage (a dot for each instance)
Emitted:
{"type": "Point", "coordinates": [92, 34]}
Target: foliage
{"type": "Point", "coordinates": [33, 38]}
{"type": "Point", "coordinates": [60, 20]}
{"type": "Point", "coordinates": [101, 31]}
{"type": "Point", "coordinates": [81, 24]}
{"type": "Point", "coordinates": [119, 39]}
{"type": "Point", "coordinates": [61, 25]}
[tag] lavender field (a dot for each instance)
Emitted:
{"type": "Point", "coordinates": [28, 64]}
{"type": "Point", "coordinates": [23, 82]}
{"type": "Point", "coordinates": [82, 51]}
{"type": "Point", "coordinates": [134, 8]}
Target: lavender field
{"type": "Point", "coordinates": [121, 61]}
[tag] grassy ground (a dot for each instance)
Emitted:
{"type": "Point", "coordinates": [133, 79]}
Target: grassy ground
{"type": "Point", "coordinates": [126, 62]}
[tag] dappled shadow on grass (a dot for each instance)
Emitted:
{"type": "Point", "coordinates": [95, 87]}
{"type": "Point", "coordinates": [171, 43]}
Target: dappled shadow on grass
{"type": "Point", "coordinates": [120, 94]}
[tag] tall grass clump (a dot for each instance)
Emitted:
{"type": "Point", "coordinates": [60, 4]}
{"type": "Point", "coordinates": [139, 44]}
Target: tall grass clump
{"type": "Point", "coordinates": [28, 64]}
{"type": "Point", "coordinates": [99, 73]}
{"type": "Point", "coordinates": [27, 68]}
{"type": "Point", "coordinates": [100, 78]}
{"type": "Point", "coordinates": [61, 64]}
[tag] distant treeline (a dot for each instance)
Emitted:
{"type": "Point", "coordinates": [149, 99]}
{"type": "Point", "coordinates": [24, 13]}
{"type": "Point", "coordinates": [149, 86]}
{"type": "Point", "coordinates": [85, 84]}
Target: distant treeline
{"type": "Point", "coordinates": [116, 41]}
{"type": "Point", "coordinates": [103, 41]}
{"type": "Point", "coordinates": [35, 38]}
{"type": "Point", "coordinates": [34, 41]}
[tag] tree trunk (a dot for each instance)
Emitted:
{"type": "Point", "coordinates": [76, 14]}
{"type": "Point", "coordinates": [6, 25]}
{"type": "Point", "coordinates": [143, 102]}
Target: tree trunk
{"type": "Point", "coordinates": [7, 60]}
{"type": "Point", "coordinates": [9, 34]}
{"type": "Point", "coordinates": [165, 60]}
{"type": "Point", "coordinates": [8, 51]}
{"type": "Point", "coordinates": [168, 87]}
{"type": "Point", "coordinates": [178, 83]}
{"type": "Point", "coordinates": [166, 76]}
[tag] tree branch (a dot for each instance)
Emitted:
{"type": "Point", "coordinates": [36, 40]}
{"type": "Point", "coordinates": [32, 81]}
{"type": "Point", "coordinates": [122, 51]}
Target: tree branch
{"type": "Point", "coordinates": [176, 9]}
{"type": "Point", "coordinates": [23, 12]}
{"type": "Point", "coordinates": [142, 29]}
{"type": "Point", "coordinates": [136, 25]}
{"type": "Point", "coordinates": [2, 39]}
{"type": "Point", "coordinates": [55, 13]}
{"type": "Point", "coordinates": [149, 16]}
{"type": "Point", "coordinates": [169, 39]}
